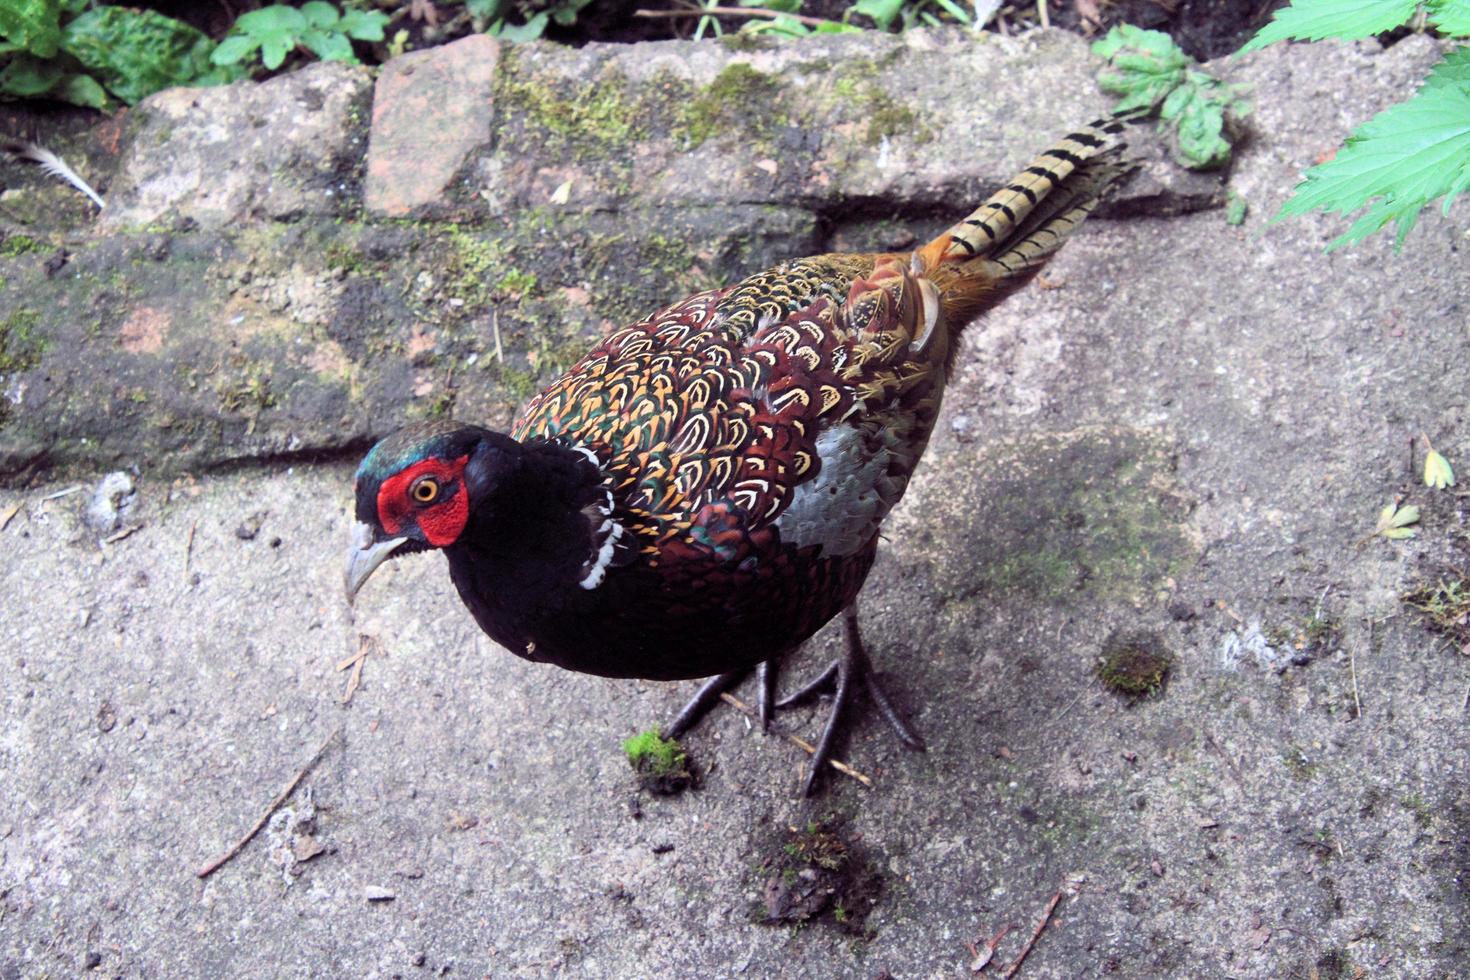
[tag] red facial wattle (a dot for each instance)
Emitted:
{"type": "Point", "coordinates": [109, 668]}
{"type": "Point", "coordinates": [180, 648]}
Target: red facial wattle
{"type": "Point", "coordinates": [441, 520]}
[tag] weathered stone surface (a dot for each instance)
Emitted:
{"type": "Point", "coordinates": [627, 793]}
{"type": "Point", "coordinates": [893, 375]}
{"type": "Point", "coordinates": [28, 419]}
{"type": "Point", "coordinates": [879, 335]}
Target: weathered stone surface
{"type": "Point", "coordinates": [430, 109]}
{"type": "Point", "coordinates": [840, 124]}
{"type": "Point", "coordinates": [1187, 430]}
{"type": "Point", "coordinates": [277, 151]}
{"type": "Point", "coordinates": [234, 305]}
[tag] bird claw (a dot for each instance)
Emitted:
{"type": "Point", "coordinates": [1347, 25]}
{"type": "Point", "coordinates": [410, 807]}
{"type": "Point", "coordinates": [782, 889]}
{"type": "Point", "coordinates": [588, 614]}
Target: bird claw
{"type": "Point", "coordinates": [842, 677]}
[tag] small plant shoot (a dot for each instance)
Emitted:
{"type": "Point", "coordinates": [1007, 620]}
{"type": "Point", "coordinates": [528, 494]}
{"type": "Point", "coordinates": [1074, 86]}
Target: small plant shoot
{"type": "Point", "coordinates": [1151, 73]}
{"type": "Point", "coordinates": [318, 26]}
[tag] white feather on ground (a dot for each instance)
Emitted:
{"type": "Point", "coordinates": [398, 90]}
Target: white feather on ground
{"type": "Point", "coordinates": [53, 165]}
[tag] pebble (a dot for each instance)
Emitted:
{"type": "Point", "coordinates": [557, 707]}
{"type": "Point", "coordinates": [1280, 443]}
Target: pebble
{"type": "Point", "coordinates": [112, 498]}
{"type": "Point", "coordinates": [376, 893]}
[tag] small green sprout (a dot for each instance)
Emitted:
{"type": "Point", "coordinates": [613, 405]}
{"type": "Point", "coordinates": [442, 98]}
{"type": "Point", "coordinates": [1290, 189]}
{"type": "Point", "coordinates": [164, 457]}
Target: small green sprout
{"type": "Point", "coordinates": [1235, 210]}
{"type": "Point", "coordinates": [277, 30]}
{"type": "Point", "coordinates": [1151, 73]}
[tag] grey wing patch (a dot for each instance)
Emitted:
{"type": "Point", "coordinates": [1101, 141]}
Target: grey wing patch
{"type": "Point", "coordinates": [854, 489]}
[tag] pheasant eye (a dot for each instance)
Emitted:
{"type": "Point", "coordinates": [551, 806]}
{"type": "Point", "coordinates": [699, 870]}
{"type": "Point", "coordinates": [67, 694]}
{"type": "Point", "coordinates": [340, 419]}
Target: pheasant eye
{"type": "Point", "coordinates": [425, 490]}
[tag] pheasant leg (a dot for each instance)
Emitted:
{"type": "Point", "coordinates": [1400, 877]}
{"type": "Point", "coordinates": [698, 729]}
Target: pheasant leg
{"type": "Point", "coordinates": [698, 706]}
{"type": "Point", "coordinates": [843, 677]}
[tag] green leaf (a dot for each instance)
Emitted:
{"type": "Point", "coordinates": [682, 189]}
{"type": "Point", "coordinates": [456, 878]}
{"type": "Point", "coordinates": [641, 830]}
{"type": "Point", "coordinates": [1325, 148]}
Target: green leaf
{"type": "Point", "coordinates": [232, 50]}
{"type": "Point", "coordinates": [1437, 472]}
{"type": "Point", "coordinates": [269, 21]}
{"type": "Point", "coordinates": [1149, 66]}
{"type": "Point", "coordinates": [954, 10]}
{"type": "Point", "coordinates": [28, 77]}
{"type": "Point", "coordinates": [363, 25]}
{"type": "Point", "coordinates": [83, 90]}
{"type": "Point", "coordinates": [135, 53]}
{"type": "Point", "coordinates": [1451, 17]}
{"type": "Point", "coordinates": [1400, 160]}
{"type": "Point", "coordinates": [33, 24]}
{"type": "Point", "coordinates": [1152, 72]}
{"type": "Point", "coordinates": [1312, 20]}
{"type": "Point", "coordinates": [274, 48]}
{"type": "Point", "coordinates": [484, 9]}
{"type": "Point", "coordinates": [520, 33]}
{"type": "Point", "coordinates": [881, 12]}
{"type": "Point", "coordinates": [1393, 521]}
{"type": "Point", "coordinates": [329, 46]}
{"type": "Point", "coordinates": [781, 26]}
{"type": "Point", "coordinates": [1235, 209]}
{"type": "Point", "coordinates": [320, 15]}
{"type": "Point", "coordinates": [1199, 140]}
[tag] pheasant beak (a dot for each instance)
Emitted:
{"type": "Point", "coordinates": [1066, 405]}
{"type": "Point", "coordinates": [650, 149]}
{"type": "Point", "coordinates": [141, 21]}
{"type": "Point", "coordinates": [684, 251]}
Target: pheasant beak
{"type": "Point", "coordinates": [365, 556]}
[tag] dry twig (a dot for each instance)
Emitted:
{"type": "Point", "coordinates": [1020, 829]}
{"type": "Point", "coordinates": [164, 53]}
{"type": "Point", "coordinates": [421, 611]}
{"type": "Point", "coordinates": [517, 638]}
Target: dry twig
{"type": "Point", "coordinates": [9, 513]}
{"type": "Point", "coordinates": [1051, 907]}
{"type": "Point", "coordinates": [281, 798]}
{"type": "Point", "coordinates": [980, 957]}
{"type": "Point", "coordinates": [1353, 672]}
{"type": "Point", "coordinates": [125, 532]}
{"type": "Point", "coordinates": [365, 645]}
{"type": "Point", "coordinates": [1229, 762]}
{"type": "Point", "coordinates": [189, 548]}
{"type": "Point", "coordinates": [797, 741]}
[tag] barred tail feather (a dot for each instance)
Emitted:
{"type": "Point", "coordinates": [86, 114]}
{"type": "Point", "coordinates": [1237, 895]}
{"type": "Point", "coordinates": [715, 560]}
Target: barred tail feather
{"type": "Point", "coordinates": [1008, 238]}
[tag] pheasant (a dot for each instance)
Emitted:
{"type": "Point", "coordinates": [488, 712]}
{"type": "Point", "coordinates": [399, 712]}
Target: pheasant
{"type": "Point", "coordinates": [703, 490]}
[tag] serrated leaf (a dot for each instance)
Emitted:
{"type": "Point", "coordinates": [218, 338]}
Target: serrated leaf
{"type": "Point", "coordinates": [1148, 65]}
{"type": "Point", "coordinates": [1450, 16]}
{"type": "Point", "coordinates": [1350, 20]}
{"type": "Point", "coordinates": [1156, 45]}
{"type": "Point", "coordinates": [35, 25]}
{"type": "Point", "coordinates": [1437, 472]}
{"type": "Point", "coordinates": [1401, 159]}
{"type": "Point", "coordinates": [1398, 533]}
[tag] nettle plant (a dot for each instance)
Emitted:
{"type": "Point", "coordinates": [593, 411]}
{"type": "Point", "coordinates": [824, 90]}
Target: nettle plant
{"type": "Point", "coordinates": [1408, 155]}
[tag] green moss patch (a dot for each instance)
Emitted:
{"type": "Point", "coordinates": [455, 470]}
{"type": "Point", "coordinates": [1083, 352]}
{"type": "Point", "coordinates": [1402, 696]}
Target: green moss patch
{"type": "Point", "coordinates": [740, 100]}
{"type": "Point", "coordinates": [593, 118]}
{"type": "Point", "coordinates": [1135, 665]}
{"type": "Point", "coordinates": [20, 350]}
{"type": "Point", "coordinates": [661, 763]}
{"type": "Point", "coordinates": [13, 245]}
{"type": "Point", "coordinates": [1446, 606]}
{"type": "Point", "coordinates": [1053, 517]}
